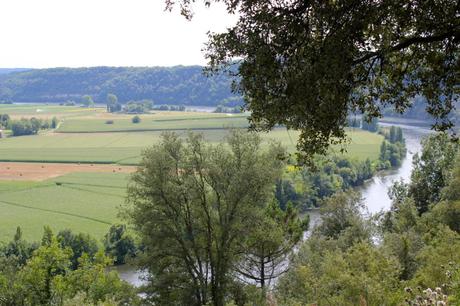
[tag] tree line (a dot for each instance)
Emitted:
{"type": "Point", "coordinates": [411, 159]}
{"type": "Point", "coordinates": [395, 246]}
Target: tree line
{"type": "Point", "coordinates": [393, 148]}
{"type": "Point", "coordinates": [66, 269]}
{"type": "Point", "coordinates": [26, 126]}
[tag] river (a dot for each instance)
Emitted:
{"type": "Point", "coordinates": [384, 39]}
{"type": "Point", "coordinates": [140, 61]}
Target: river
{"type": "Point", "coordinates": [374, 192]}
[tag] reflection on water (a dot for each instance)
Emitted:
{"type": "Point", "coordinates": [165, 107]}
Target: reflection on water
{"type": "Point", "coordinates": [375, 192]}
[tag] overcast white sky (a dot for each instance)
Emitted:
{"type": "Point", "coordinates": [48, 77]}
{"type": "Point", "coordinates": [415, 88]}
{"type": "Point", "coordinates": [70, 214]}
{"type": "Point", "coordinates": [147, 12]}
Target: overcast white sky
{"type": "Point", "coordinates": [80, 33]}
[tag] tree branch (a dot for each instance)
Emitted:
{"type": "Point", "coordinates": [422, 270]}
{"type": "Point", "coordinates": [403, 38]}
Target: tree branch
{"type": "Point", "coordinates": [407, 43]}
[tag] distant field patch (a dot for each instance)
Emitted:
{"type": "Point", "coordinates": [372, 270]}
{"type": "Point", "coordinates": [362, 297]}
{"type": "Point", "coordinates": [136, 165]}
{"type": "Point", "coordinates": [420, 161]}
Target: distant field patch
{"type": "Point", "coordinates": [42, 171]}
{"type": "Point", "coordinates": [152, 123]}
{"type": "Point", "coordinates": [17, 111]}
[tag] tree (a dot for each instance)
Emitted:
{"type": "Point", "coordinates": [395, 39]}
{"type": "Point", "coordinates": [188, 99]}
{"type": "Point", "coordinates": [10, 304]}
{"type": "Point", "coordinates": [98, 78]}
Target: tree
{"type": "Point", "coordinates": [96, 284]}
{"type": "Point", "coordinates": [322, 274]}
{"type": "Point", "coordinates": [193, 204]}
{"type": "Point", "coordinates": [112, 103]}
{"type": "Point", "coordinates": [19, 249]}
{"type": "Point", "coordinates": [399, 135]}
{"type": "Point", "coordinates": [431, 170]}
{"type": "Point", "coordinates": [79, 244]}
{"type": "Point", "coordinates": [54, 123]}
{"type": "Point", "coordinates": [119, 244]}
{"type": "Point", "coordinates": [38, 275]}
{"type": "Point", "coordinates": [371, 125]}
{"type": "Point", "coordinates": [4, 121]}
{"type": "Point", "coordinates": [341, 219]}
{"type": "Point", "coordinates": [48, 236]}
{"type": "Point", "coordinates": [268, 247]}
{"type": "Point", "coordinates": [392, 134]}
{"type": "Point", "coordinates": [87, 101]}
{"type": "Point", "coordinates": [285, 193]}
{"type": "Point", "coordinates": [306, 64]}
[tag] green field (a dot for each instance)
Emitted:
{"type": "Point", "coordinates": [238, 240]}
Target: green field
{"type": "Point", "coordinates": [85, 202]}
{"type": "Point", "coordinates": [126, 147]}
{"type": "Point", "coordinates": [84, 136]}
{"type": "Point", "coordinates": [45, 111]}
{"type": "Point", "coordinates": [153, 123]}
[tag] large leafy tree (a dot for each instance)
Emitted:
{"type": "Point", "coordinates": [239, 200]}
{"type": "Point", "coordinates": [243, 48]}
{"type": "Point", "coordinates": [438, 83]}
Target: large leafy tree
{"type": "Point", "coordinates": [194, 205]}
{"type": "Point", "coordinates": [306, 64]}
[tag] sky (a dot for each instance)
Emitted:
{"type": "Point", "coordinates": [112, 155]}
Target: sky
{"type": "Point", "coordinates": [85, 33]}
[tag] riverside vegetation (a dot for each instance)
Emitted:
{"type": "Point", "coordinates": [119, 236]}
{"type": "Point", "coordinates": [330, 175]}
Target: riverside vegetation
{"type": "Point", "coordinates": [203, 246]}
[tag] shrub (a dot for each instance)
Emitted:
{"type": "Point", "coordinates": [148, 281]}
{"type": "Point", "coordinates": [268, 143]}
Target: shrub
{"type": "Point", "coordinates": [136, 119]}
{"type": "Point", "coordinates": [109, 122]}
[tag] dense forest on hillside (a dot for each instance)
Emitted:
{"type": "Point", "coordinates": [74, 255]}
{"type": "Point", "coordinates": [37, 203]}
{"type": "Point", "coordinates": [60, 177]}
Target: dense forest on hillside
{"type": "Point", "coordinates": [172, 85]}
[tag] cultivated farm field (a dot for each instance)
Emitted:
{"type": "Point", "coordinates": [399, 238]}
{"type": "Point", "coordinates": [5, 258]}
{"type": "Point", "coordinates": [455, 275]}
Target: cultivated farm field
{"type": "Point", "coordinates": [87, 200]}
{"type": "Point", "coordinates": [82, 202]}
{"type": "Point", "coordinates": [83, 135]}
{"type": "Point", "coordinates": [18, 111]}
{"type": "Point", "coordinates": [126, 147]}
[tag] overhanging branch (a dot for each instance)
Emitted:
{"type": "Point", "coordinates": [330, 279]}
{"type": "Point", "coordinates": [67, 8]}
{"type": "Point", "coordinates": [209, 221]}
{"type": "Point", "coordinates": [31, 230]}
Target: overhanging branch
{"type": "Point", "coordinates": [407, 43]}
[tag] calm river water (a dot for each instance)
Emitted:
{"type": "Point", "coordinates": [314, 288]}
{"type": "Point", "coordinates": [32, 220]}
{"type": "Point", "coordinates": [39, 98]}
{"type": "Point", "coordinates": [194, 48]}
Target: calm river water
{"type": "Point", "coordinates": [374, 192]}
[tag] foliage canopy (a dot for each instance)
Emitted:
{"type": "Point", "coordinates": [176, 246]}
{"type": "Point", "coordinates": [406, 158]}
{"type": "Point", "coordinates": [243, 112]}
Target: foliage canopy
{"type": "Point", "coordinates": [307, 64]}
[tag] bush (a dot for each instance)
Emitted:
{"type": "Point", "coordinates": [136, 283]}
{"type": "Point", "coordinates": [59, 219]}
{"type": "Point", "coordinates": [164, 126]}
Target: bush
{"type": "Point", "coordinates": [136, 119]}
{"type": "Point", "coordinates": [109, 122]}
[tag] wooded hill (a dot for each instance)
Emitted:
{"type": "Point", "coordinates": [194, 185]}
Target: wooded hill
{"type": "Point", "coordinates": [171, 85]}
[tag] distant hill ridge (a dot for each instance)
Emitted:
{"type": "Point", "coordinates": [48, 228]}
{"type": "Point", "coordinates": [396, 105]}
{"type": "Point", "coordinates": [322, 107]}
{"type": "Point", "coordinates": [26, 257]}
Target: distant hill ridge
{"type": "Point", "coordinates": [10, 70]}
{"type": "Point", "coordinates": [164, 85]}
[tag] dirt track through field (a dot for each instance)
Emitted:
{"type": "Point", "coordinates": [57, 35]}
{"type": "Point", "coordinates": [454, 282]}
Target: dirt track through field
{"type": "Point", "coordinates": [43, 171]}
